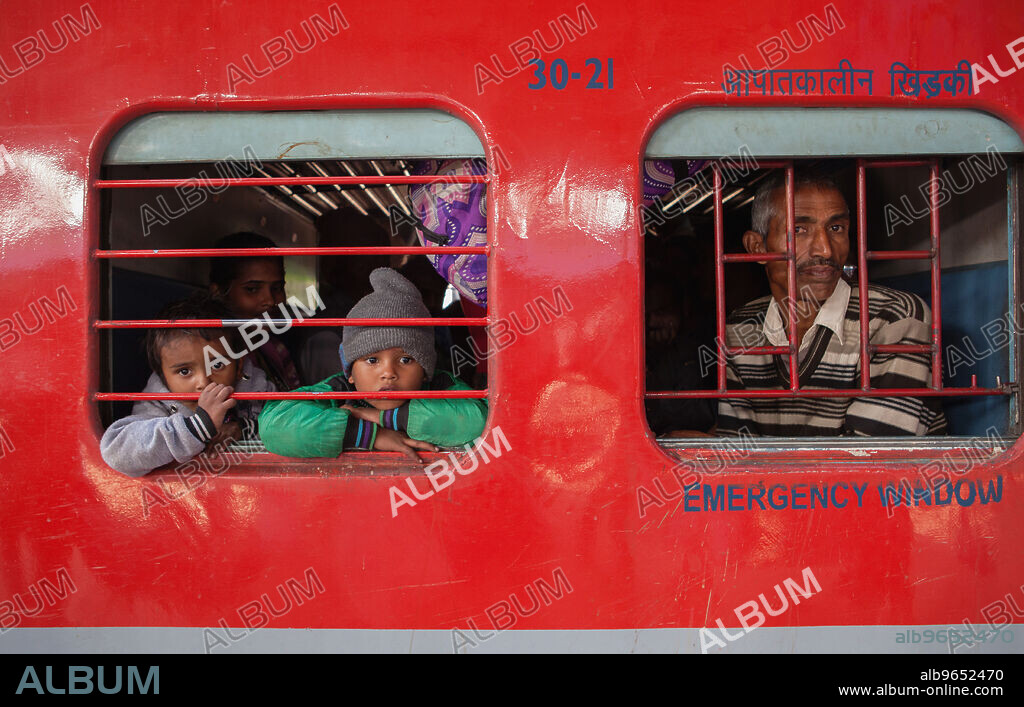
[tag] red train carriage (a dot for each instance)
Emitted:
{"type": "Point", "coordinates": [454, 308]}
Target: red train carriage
{"type": "Point", "coordinates": [131, 137]}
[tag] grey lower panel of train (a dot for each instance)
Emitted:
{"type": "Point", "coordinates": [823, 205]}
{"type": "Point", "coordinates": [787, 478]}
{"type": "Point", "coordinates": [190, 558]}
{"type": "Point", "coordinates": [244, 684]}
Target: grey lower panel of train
{"type": "Point", "coordinates": [814, 639]}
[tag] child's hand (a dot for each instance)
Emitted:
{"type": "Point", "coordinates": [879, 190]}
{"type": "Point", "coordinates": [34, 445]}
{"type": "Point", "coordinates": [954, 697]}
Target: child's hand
{"type": "Point", "coordinates": [392, 441]}
{"type": "Point", "coordinates": [216, 400]}
{"type": "Point", "coordinates": [368, 414]}
{"type": "Point", "coordinates": [229, 432]}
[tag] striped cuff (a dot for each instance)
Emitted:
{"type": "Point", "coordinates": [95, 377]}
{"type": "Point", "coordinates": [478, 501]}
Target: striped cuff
{"type": "Point", "coordinates": [201, 425]}
{"type": "Point", "coordinates": [397, 419]}
{"type": "Point", "coordinates": [359, 434]}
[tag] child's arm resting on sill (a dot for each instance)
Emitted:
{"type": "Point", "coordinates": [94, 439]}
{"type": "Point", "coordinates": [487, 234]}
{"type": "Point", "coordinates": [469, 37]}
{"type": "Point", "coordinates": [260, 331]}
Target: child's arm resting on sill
{"type": "Point", "coordinates": [304, 428]}
{"type": "Point", "coordinates": [139, 443]}
{"type": "Point", "coordinates": [322, 428]}
{"type": "Point", "coordinates": [447, 422]}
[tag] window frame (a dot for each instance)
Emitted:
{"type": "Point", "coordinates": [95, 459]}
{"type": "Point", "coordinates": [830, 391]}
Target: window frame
{"type": "Point", "coordinates": [135, 143]}
{"type": "Point", "coordinates": [692, 127]}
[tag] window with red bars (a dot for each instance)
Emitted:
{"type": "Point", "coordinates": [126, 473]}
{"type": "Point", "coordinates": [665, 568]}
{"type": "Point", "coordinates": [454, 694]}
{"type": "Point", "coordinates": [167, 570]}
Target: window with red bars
{"type": "Point", "coordinates": [941, 231]}
{"type": "Point", "coordinates": [333, 221]}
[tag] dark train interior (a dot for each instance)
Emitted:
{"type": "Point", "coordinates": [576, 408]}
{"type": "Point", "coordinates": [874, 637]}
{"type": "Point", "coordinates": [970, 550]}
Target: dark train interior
{"type": "Point", "coordinates": [680, 285]}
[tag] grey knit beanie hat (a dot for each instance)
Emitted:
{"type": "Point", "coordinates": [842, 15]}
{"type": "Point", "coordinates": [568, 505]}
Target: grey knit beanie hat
{"type": "Point", "coordinates": [395, 297]}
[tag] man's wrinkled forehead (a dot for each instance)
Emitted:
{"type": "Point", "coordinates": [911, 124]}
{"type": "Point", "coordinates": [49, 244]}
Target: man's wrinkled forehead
{"type": "Point", "coordinates": [802, 195]}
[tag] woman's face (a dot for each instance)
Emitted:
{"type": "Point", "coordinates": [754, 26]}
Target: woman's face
{"type": "Point", "coordinates": [258, 286]}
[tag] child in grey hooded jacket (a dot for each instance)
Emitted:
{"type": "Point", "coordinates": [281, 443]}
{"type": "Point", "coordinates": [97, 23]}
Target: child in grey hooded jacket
{"type": "Point", "coordinates": [159, 432]}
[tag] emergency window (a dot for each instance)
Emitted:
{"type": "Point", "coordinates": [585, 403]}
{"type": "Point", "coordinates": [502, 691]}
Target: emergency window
{"type": "Point", "coordinates": [329, 188]}
{"type": "Point", "coordinates": [933, 199]}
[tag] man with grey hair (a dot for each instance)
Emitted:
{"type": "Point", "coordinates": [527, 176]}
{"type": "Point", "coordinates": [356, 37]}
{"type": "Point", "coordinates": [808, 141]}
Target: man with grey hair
{"type": "Point", "coordinates": [827, 329]}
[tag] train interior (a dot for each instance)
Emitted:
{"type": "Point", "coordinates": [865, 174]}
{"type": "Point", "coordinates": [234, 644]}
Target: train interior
{"type": "Point", "coordinates": [335, 215]}
{"type": "Point", "coordinates": [978, 226]}
{"type": "Point", "coordinates": [680, 284]}
{"type": "Point", "coordinates": [211, 146]}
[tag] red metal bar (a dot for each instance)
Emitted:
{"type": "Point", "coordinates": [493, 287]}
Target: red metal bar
{"type": "Point", "coordinates": [773, 164]}
{"type": "Point", "coordinates": [794, 344]}
{"type": "Point", "coordinates": [758, 351]}
{"type": "Point", "coordinates": [936, 281]}
{"type": "Point", "coordinates": [354, 395]}
{"type": "Point", "coordinates": [863, 256]}
{"type": "Point", "coordinates": [936, 285]}
{"type": "Point", "coordinates": [719, 276]}
{"type": "Point", "coordinates": [899, 254]}
{"type": "Point", "coordinates": [273, 252]}
{"type": "Point", "coordinates": [288, 181]}
{"type": "Point", "coordinates": [900, 348]}
{"type": "Point", "coordinates": [752, 257]}
{"type": "Point", "coordinates": [818, 393]}
{"type": "Point", "coordinates": [322, 321]}
{"type": "Point", "coordinates": [896, 163]}
{"type": "Point", "coordinates": [863, 293]}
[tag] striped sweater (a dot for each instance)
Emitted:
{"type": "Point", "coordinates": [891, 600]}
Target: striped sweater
{"type": "Point", "coordinates": [894, 318]}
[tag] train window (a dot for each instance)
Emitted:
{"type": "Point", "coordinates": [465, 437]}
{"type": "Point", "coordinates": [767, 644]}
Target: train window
{"type": "Point", "coordinates": [336, 194]}
{"type": "Point", "coordinates": [786, 215]}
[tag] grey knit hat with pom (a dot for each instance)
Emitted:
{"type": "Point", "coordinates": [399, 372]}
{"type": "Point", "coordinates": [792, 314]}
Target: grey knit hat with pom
{"type": "Point", "coordinates": [395, 297]}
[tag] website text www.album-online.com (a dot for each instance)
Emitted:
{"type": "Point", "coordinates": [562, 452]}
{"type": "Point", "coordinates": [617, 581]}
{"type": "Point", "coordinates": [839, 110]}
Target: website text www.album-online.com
{"type": "Point", "coordinates": [954, 682]}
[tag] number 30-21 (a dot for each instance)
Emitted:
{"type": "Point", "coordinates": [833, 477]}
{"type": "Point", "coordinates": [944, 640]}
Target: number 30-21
{"type": "Point", "coordinates": [560, 75]}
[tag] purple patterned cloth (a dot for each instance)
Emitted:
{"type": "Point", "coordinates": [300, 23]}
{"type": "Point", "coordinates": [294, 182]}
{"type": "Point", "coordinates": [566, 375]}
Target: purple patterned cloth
{"type": "Point", "coordinates": [694, 166]}
{"type": "Point", "coordinates": [658, 178]}
{"type": "Point", "coordinates": [456, 215]}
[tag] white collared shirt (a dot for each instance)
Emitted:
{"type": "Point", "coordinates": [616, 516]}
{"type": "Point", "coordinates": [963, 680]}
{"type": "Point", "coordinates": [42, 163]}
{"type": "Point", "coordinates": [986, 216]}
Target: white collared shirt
{"type": "Point", "coordinates": [831, 315]}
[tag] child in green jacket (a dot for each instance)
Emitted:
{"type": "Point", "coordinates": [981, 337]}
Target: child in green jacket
{"type": "Point", "coordinates": [378, 359]}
